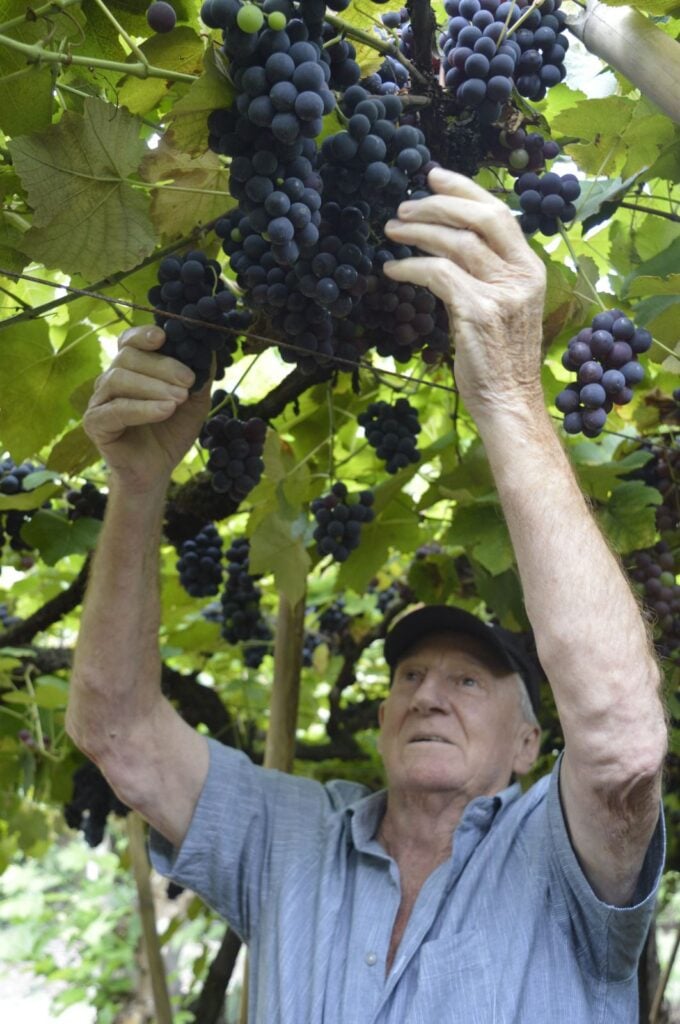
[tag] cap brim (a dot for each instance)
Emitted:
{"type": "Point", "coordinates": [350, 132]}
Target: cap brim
{"type": "Point", "coordinates": [439, 619]}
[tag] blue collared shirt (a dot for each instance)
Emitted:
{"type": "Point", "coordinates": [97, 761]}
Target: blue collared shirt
{"type": "Point", "coordinates": [506, 931]}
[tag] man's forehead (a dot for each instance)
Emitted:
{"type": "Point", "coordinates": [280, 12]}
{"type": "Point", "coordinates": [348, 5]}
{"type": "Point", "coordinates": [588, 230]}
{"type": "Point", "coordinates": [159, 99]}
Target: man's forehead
{"type": "Point", "coordinates": [438, 645]}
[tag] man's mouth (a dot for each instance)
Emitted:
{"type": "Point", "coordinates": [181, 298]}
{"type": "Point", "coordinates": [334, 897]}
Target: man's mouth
{"type": "Point", "coordinates": [430, 739]}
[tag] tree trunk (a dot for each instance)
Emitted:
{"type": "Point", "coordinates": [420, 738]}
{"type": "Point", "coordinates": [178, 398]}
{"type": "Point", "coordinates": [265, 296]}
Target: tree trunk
{"type": "Point", "coordinates": [636, 48]}
{"type": "Point", "coordinates": [279, 750]}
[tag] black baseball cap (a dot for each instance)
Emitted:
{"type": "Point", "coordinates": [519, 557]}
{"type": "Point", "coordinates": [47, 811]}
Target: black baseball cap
{"type": "Point", "coordinates": [509, 647]}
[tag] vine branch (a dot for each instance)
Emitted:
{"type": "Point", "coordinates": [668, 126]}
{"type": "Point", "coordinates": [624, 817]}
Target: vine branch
{"type": "Point", "coordinates": [37, 54]}
{"type": "Point", "coordinates": [389, 49]}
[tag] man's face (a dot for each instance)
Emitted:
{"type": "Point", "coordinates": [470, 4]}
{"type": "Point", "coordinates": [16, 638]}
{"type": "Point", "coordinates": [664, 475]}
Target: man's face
{"type": "Point", "coordinates": [452, 721]}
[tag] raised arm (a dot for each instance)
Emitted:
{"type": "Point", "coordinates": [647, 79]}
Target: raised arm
{"type": "Point", "coordinates": [143, 420]}
{"type": "Point", "coordinates": [590, 636]}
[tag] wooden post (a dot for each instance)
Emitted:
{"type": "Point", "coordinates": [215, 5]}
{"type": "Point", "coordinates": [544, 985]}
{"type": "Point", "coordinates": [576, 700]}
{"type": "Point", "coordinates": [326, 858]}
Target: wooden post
{"type": "Point", "coordinates": [620, 35]}
{"type": "Point", "coordinates": [147, 913]}
{"type": "Point", "coordinates": [279, 751]}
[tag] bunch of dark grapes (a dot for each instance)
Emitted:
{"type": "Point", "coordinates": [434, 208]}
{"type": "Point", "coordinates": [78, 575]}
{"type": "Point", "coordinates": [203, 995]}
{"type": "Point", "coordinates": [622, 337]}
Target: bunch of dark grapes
{"type": "Point", "coordinates": [88, 501]}
{"type": "Point", "coordinates": [235, 447]}
{"type": "Point", "coordinates": [522, 151]}
{"type": "Point", "coordinates": [604, 357]}
{"type": "Point", "coordinates": [392, 431]}
{"type": "Point", "coordinates": [546, 201]}
{"type": "Point", "coordinates": [662, 471]}
{"type": "Point", "coordinates": [161, 16]}
{"type": "Point", "coordinates": [12, 476]}
{"type": "Point", "coordinates": [394, 598]}
{"type": "Point", "coordinates": [339, 521]}
{"type": "Point", "coordinates": [91, 802]}
{"type": "Point", "coordinates": [486, 56]}
{"type": "Point", "coordinates": [181, 525]}
{"type": "Point", "coordinates": [406, 318]}
{"type": "Point", "coordinates": [668, 483]}
{"type": "Point", "coordinates": [7, 620]}
{"type": "Point", "coordinates": [205, 321]}
{"type": "Point", "coordinates": [12, 481]}
{"type": "Point", "coordinates": [334, 621]}
{"type": "Point", "coordinates": [655, 570]}
{"type": "Point", "coordinates": [242, 617]}
{"type": "Point", "coordinates": [310, 643]}
{"type": "Point", "coordinates": [390, 78]}
{"type": "Point", "coordinates": [200, 563]}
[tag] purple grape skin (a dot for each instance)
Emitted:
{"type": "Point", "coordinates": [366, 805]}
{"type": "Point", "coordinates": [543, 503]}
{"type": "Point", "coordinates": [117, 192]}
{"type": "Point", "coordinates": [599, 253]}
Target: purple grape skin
{"type": "Point", "coordinates": [579, 353]}
{"type": "Point", "coordinates": [641, 340]}
{"type": "Point", "coordinates": [612, 381]}
{"type": "Point", "coordinates": [567, 401]}
{"type": "Point", "coordinates": [633, 371]}
{"type": "Point", "coordinates": [161, 16]}
{"type": "Point", "coordinates": [590, 372]}
{"type": "Point", "coordinates": [573, 422]}
{"type": "Point", "coordinates": [623, 329]}
{"type": "Point", "coordinates": [593, 396]}
{"type": "Point", "coordinates": [619, 354]}
{"type": "Point", "coordinates": [594, 419]}
{"type": "Point", "coordinates": [601, 343]}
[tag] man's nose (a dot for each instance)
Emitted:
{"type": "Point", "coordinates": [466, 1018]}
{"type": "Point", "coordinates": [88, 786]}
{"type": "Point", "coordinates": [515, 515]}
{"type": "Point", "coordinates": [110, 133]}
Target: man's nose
{"type": "Point", "coordinates": [430, 695]}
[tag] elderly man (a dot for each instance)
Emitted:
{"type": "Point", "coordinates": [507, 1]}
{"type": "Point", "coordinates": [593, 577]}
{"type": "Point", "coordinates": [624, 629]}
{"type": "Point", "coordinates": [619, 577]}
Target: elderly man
{"type": "Point", "coordinates": [450, 896]}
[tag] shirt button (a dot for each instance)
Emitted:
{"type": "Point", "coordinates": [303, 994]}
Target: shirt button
{"type": "Point", "coordinates": [371, 959]}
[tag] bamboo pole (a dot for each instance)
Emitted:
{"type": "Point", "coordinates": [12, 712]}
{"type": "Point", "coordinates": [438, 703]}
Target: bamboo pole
{"type": "Point", "coordinates": [636, 48]}
{"type": "Point", "coordinates": [279, 750]}
{"type": "Point", "coordinates": [663, 981]}
{"type": "Point", "coordinates": [141, 871]}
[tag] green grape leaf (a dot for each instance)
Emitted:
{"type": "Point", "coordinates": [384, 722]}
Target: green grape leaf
{"type": "Point", "coordinates": [26, 89]}
{"type": "Point", "coordinates": [179, 50]}
{"type": "Point", "coordinates": [277, 545]}
{"type": "Point", "coordinates": [55, 537]}
{"type": "Point", "coordinates": [75, 175]}
{"type": "Point", "coordinates": [187, 126]}
{"type": "Point", "coordinates": [41, 381]}
{"type": "Point", "coordinates": [481, 530]}
{"type": "Point", "coordinates": [72, 453]}
{"type": "Point", "coordinates": [24, 501]}
{"type": "Point", "coordinates": [629, 519]}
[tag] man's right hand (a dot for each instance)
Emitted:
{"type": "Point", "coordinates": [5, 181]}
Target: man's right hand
{"type": "Point", "coordinates": [142, 416]}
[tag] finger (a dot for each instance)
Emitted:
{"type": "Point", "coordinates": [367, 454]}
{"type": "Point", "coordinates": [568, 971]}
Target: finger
{"type": "Point", "coordinates": [105, 423]}
{"type": "Point", "coordinates": [493, 222]}
{"type": "Point", "coordinates": [453, 184]}
{"type": "Point", "coordinates": [149, 338]}
{"type": "Point", "coordinates": [445, 279]}
{"type": "Point", "coordinates": [119, 382]}
{"type": "Point", "coordinates": [153, 365]}
{"type": "Point", "coordinates": [459, 244]}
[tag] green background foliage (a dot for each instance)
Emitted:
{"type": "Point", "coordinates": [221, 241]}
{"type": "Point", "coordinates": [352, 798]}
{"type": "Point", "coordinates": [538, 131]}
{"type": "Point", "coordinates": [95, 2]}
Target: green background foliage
{"type": "Point", "coordinates": [104, 168]}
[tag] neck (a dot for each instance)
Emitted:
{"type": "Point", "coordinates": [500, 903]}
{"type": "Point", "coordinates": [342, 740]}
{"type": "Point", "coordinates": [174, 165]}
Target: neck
{"type": "Point", "coordinates": [418, 827]}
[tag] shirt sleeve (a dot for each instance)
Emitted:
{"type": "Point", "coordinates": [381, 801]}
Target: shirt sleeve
{"type": "Point", "coordinates": [608, 939]}
{"type": "Point", "coordinates": [230, 852]}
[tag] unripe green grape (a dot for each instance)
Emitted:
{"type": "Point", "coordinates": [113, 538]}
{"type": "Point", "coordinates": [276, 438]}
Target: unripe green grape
{"type": "Point", "coordinates": [277, 21]}
{"type": "Point", "coordinates": [667, 579]}
{"type": "Point", "coordinates": [518, 159]}
{"type": "Point", "coordinates": [236, 235]}
{"type": "Point", "coordinates": [250, 19]}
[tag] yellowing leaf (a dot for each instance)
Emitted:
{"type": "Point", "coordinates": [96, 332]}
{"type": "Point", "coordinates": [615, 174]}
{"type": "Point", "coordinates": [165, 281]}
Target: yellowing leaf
{"type": "Point", "coordinates": [206, 180]}
{"type": "Point", "coordinates": [188, 117]}
{"type": "Point", "coordinates": [87, 218]}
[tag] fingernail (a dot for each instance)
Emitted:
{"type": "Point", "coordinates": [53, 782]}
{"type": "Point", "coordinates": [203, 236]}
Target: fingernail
{"type": "Point", "coordinates": [391, 225]}
{"type": "Point", "coordinates": [405, 209]}
{"type": "Point", "coordinates": [153, 333]}
{"type": "Point", "coordinates": [185, 376]}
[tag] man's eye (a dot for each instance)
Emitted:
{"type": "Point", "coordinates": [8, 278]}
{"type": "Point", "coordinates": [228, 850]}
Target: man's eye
{"type": "Point", "coordinates": [469, 681]}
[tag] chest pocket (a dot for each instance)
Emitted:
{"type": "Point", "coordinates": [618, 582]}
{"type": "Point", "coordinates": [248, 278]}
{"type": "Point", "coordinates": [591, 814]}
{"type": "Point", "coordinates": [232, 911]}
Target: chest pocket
{"type": "Point", "coordinates": [454, 982]}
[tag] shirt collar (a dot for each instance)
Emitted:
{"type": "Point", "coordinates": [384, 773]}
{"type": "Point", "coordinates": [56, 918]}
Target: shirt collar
{"type": "Point", "coordinates": [364, 815]}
